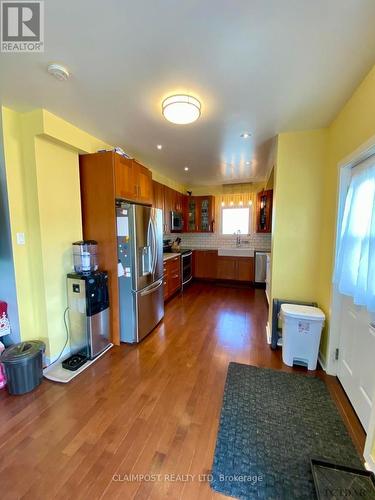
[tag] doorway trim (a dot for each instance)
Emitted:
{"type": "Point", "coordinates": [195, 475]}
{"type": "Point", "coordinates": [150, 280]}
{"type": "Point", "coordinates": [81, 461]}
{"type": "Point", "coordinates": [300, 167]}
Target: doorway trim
{"type": "Point", "coordinates": [365, 151]}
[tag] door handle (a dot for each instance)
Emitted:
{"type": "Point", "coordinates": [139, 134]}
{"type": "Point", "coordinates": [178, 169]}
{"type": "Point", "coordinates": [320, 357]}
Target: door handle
{"type": "Point", "coordinates": [153, 289]}
{"type": "Point", "coordinates": [154, 251]}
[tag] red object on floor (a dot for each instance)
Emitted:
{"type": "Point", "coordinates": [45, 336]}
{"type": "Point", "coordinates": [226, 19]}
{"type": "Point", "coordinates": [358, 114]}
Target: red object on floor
{"type": "Point", "coordinates": [3, 308]}
{"type": "Point", "coordinates": [4, 321]}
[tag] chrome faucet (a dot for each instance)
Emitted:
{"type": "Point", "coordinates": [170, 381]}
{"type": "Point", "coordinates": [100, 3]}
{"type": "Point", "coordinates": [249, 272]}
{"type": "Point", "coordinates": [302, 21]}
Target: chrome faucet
{"type": "Point", "coordinates": [238, 238]}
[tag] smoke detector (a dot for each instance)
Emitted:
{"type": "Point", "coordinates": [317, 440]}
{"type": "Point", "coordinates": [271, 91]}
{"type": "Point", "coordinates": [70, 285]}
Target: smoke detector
{"type": "Point", "coordinates": [58, 71]}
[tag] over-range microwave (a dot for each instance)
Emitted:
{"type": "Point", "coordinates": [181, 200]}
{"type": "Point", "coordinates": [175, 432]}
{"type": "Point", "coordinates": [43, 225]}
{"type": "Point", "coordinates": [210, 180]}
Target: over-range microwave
{"type": "Point", "coordinates": [177, 222]}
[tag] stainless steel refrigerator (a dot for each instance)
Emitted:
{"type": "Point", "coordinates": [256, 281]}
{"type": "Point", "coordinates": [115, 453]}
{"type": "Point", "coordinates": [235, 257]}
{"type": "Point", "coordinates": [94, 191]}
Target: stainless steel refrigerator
{"type": "Point", "coordinates": [140, 269]}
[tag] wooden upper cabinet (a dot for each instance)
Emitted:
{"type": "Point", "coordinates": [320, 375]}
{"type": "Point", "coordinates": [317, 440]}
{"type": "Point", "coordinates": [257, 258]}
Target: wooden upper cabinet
{"type": "Point", "coordinates": [125, 183]}
{"type": "Point", "coordinates": [167, 209]}
{"type": "Point", "coordinates": [158, 195]}
{"type": "Point", "coordinates": [264, 211]}
{"type": "Point", "coordinates": [206, 214]}
{"type": "Point", "coordinates": [143, 182]}
{"type": "Point", "coordinates": [199, 214]}
{"type": "Point", "coordinates": [133, 181]}
{"type": "Point", "coordinates": [179, 201]}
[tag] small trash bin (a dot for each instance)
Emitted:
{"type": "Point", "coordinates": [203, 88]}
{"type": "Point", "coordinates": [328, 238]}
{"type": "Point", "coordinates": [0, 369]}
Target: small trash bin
{"type": "Point", "coordinates": [302, 328]}
{"type": "Point", "coordinates": [23, 365]}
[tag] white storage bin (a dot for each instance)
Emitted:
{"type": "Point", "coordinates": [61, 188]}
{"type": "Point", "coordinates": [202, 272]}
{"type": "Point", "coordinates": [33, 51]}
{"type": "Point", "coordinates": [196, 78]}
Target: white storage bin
{"type": "Point", "coordinates": [302, 328]}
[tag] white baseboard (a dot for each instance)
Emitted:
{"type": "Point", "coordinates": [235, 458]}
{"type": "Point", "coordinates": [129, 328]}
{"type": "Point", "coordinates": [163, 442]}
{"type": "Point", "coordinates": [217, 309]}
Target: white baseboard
{"type": "Point", "coordinates": [65, 354]}
{"type": "Point", "coordinates": [322, 362]}
{"type": "Point", "coordinates": [370, 463]}
{"type": "Point", "coordinates": [268, 333]}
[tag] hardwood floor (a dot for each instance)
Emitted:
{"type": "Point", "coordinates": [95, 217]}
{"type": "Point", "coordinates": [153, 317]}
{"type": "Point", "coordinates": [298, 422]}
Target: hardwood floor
{"type": "Point", "coordinates": [146, 409]}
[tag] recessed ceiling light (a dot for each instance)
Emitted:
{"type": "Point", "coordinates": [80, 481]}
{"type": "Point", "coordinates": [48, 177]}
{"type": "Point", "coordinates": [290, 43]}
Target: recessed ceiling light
{"type": "Point", "coordinates": [159, 146]}
{"type": "Point", "coordinates": [181, 109]}
{"type": "Point", "coordinates": [245, 135]}
{"type": "Point", "coordinates": [247, 163]}
{"type": "Point", "coordinates": [58, 71]}
{"type": "Point", "coordinates": [186, 169]}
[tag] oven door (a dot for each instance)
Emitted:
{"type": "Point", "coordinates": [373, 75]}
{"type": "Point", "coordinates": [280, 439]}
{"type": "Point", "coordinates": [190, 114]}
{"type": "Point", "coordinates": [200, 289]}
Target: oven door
{"type": "Point", "coordinates": [186, 268]}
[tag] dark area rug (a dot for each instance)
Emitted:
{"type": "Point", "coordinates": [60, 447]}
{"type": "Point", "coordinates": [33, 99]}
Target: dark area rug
{"type": "Point", "coordinates": [271, 424]}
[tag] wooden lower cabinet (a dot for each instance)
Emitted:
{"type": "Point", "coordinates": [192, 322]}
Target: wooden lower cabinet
{"type": "Point", "coordinates": [209, 265]}
{"type": "Point", "coordinates": [172, 276]}
{"type": "Point", "coordinates": [205, 264]}
{"type": "Point", "coordinates": [245, 269]}
{"type": "Point", "coordinates": [227, 268]}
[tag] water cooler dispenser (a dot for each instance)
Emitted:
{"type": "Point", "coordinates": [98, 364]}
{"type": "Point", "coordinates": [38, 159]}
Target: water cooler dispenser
{"type": "Point", "coordinates": [88, 303]}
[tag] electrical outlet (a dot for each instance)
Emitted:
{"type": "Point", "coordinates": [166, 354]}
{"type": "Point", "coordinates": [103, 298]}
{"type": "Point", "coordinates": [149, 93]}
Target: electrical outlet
{"type": "Point", "coordinates": [20, 238]}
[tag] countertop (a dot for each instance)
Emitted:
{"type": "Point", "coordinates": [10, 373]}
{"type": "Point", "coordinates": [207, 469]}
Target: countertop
{"type": "Point", "coordinates": [170, 255]}
{"type": "Point", "coordinates": [217, 248]}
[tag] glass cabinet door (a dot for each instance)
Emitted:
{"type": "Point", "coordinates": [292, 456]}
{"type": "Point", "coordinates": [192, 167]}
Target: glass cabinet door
{"type": "Point", "coordinates": [205, 215]}
{"type": "Point", "coordinates": [192, 217]}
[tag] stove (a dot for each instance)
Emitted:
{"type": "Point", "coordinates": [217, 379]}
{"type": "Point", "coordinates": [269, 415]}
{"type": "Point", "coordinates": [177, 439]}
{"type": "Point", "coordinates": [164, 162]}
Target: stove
{"type": "Point", "coordinates": [186, 262]}
{"type": "Point", "coordinates": [186, 266]}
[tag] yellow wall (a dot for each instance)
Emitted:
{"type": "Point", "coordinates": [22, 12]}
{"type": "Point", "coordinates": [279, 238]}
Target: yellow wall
{"type": "Point", "coordinates": [168, 182]}
{"type": "Point", "coordinates": [41, 160]}
{"type": "Point", "coordinates": [306, 189]}
{"type": "Point", "coordinates": [299, 170]}
{"type": "Point", "coordinates": [42, 169]}
{"type": "Point", "coordinates": [354, 125]}
{"type": "Point", "coordinates": [217, 190]}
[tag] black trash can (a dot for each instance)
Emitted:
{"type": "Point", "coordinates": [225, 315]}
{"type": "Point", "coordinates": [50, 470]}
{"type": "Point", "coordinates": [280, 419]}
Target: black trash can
{"type": "Point", "coordinates": [23, 365]}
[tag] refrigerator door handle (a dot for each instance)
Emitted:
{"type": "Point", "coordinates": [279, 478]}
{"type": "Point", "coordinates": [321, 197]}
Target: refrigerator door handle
{"type": "Point", "coordinates": [152, 289]}
{"type": "Point", "coordinates": [155, 248]}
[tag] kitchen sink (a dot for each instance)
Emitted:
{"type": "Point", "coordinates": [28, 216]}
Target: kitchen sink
{"type": "Point", "coordinates": [236, 252]}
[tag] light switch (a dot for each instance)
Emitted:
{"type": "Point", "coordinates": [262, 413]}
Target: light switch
{"type": "Point", "coordinates": [20, 238]}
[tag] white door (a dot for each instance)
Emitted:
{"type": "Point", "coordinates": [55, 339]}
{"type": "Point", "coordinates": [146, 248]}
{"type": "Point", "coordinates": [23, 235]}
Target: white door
{"type": "Point", "coordinates": [356, 362]}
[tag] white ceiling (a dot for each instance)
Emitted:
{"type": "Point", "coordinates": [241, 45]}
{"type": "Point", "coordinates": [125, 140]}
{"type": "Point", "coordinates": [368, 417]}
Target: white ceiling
{"type": "Point", "coordinates": [262, 66]}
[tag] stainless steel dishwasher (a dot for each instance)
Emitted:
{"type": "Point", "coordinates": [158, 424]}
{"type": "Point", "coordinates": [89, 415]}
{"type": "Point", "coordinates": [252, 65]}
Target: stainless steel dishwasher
{"type": "Point", "coordinates": [260, 268]}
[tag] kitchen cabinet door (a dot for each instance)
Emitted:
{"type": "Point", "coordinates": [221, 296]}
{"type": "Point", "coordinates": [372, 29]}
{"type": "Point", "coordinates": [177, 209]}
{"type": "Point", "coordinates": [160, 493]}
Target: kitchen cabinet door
{"type": "Point", "coordinates": [172, 276]}
{"type": "Point", "coordinates": [206, 207]}
{"type": "Point", "coordinates": [227, 268]}
{"type": "Point", "coordinates": [143, 177]}
{"type": "Point", "coordinates": [192, 215]}
{"type": "Point", "coordinates": [125, 180]}
{"type": "Point", "coordinates": [245, 269]}
{"type": "Point", "coordinates": [168, 207]}
{"type": "Point", "coordinates": [158, 191]}
{"type": "Point", "coordinates": [178, 201]}
{"type": "Point", "coordinates": [264, 211]}
{"type": "Point", "coordinates": [205, 264]}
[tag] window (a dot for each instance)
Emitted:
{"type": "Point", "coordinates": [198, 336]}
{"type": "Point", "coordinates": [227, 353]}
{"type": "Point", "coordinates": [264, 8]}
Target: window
{"type": "Point", "coordinates": [235, 219]}
{"type": "Point", "coordinates": [355, 261]}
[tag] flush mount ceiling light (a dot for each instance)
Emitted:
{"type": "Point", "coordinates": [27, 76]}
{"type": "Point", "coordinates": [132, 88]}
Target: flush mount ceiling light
{"type": "Point", "coordinates": [245, 135]}
{"type": "Point", "coordinates": [58, 71]}
{"type": "Point", "coordinates": [186, 169]}
{"type": "Point", "coordinates": [181, 109]}
{"type": "Point", "coordinates": [159, 147]}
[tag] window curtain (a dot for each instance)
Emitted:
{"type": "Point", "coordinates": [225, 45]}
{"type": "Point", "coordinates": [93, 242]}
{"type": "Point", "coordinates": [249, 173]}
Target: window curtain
{"type": "Point", "coordinates": [355, 262]}
{"type": "Point", "coordinates": [236, 200]}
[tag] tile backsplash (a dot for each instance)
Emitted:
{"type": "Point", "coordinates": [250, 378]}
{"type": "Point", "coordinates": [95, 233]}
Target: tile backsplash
{"type": "Point", "coordinates": [257, 241]}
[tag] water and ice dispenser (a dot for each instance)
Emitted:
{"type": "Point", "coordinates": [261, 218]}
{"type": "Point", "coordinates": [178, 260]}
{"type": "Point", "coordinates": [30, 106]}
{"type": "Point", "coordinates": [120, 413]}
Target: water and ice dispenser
{"type": "Point", "coordinates": [88, 303]}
